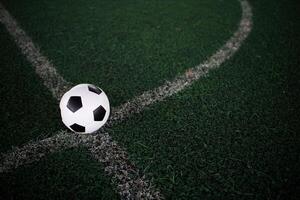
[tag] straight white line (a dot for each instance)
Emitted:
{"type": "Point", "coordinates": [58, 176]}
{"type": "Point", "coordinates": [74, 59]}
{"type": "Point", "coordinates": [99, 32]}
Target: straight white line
{"type": "Point", "coordinates": [131, 184]}
{"type": "Point", "coordinates": [35, 150]}
{"type": "Point", "coordinates": [47, 72]}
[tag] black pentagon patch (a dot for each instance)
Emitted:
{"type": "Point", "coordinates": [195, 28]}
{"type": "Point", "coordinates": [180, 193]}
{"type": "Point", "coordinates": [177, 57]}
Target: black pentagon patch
{"type": "Point", "coordinates": [77, 128]}
{"type": "Point", "coordinates": [94, 89]}
{"type": "Point", "coordinates": [74, 103]}
{"type": "Point", "coordinates": [99, 113]}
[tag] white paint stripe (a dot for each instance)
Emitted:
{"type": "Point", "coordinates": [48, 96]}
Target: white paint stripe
{"type": "Point", "coordinates": [102, 146]}
{"type": "Point", "coordinates": [35, 150]}
{"type": "Point", "coordinates": [179, 83]}
{"type": "Point", "coordinates": [47, 72]}
{"type": "Point", "coordinates": [115, 164]}
{"type": "Point", "coordinates": [109, 153]}
{"type": "Point", "coordinates": [130, 183]}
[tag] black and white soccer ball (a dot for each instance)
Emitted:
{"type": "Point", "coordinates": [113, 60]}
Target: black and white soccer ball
{"type": "Point", "coordinates": [84, 108]}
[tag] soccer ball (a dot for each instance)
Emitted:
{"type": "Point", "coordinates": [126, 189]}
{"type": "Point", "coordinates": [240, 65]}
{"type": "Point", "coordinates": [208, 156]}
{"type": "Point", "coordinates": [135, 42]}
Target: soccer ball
{"type": "Point", "coordinates": [84, 108]}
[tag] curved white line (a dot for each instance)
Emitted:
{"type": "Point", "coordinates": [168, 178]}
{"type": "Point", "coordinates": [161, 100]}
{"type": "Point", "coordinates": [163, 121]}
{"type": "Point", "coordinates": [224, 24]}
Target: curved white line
{"type": "Point", "coordinates": [137, 104]}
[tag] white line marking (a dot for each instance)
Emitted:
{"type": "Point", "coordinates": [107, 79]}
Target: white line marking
{"type": "Point", "coordinates": [131, 184]}
{"type": "Point", "coordinates": [36, 150]}
{"type": "Point", "coordinates": [47, 72]}
{"type": "Point", "coordinates": [137, 104]}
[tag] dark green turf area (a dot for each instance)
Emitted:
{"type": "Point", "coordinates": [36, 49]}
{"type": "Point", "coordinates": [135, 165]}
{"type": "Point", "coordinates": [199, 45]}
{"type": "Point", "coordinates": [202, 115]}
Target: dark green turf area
{"type": "Point", "coordinates": [126, 47]}
{"type": "Point", "coordinates": [67, 175]}
{"type": "Point", "coordinates": [27, 108]}
{"type": "Point", "coordinates": [232, 135]}
{"type": "Point", "coordinates": [235, 134]}
{"type": "Point", "coordinates": [28, 111]}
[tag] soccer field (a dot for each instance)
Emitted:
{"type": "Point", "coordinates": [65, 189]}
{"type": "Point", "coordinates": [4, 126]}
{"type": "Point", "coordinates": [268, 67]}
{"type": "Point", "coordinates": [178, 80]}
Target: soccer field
{"type": "Point", "coordinates": [204, 97]}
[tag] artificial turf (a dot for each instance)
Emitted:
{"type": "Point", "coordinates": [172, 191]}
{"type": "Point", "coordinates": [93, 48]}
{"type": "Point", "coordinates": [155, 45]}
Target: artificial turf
{"type": "Point", "coordinates": [126, 47]}
{"type": "Point", "coordinates": [232, 135]}
{"type": "Point", "coordinates": [29, 112]}
{"type": "Point", "coordinates": [71, 174]}
{"type": "Point", "coordinates": [235, 134]}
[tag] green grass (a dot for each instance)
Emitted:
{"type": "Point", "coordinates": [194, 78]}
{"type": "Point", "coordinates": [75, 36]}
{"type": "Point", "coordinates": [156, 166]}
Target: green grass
{"type": "Point", "coordinates": [30, 112]}
{"type": "Point", "coordinates": [72, 174]}
{"type": "Point", "coordinates": [27, 108]}
{"type": "Point", "coordinates": [232, 135]}
{"type": "Point", "coordinates": [235, 134]}
{"type": "Point", "coordinates": [126, 47]}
